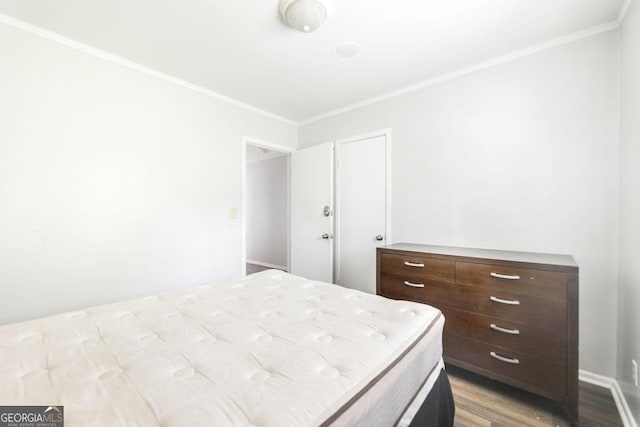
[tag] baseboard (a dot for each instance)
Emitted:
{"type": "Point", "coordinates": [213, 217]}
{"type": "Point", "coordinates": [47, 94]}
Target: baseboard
{"type": "Point", "coordinates": [266, 264]}
{"type": "Point", "coordinates": [621, 403]}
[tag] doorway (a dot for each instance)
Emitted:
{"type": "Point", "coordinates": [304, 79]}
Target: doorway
{"type": "Point", "coordinates": [340, 209]}
{"type": "Point", "coordinates": [265, 214]}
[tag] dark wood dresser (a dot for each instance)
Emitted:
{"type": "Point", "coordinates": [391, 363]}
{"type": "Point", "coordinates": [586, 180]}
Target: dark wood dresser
{"type": "Point", "coordinates": [511, 316]}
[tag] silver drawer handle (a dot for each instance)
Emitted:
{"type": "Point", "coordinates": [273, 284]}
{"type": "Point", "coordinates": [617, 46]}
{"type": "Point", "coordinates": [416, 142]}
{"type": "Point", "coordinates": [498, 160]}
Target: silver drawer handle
{"type": "Point", "coordinates": [413, 264]}
{"type": "Point", "coordinates": [504, 276]}
{"type": "Point", "coordinates": [413, 285]}
{"type": "Point", "coordinates": [504, 301]}
{"type": "Point", "coordinates": [505, 330]}
{"type": "Point", "coordinates": [504, 359]}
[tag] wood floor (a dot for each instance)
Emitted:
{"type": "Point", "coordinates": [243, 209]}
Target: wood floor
{"type": "Point", "coordinates": [484, 402]}
{"type": "Point", "coordinates": [254, 268]}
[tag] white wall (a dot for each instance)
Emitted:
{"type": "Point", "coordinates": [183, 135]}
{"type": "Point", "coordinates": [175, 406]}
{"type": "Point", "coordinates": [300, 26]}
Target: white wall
{"type": "Point", "coordinates": [520, 156]}
{"type": "Point", "coordinates": [113, 184]}
{"type": "Point", "coordinates": [629, 276]}
{"type": "Point", "coordinates": [266, 211]}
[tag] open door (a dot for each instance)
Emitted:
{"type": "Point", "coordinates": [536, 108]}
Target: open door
{"type": "Point", "coordinates": [361, 210]}
{"type": "Point", "coordinates": [312, 212]}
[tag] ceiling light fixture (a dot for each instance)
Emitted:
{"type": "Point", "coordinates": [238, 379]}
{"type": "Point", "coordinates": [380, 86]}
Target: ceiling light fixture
{"type": "Point", "coordinates": [303, 15]}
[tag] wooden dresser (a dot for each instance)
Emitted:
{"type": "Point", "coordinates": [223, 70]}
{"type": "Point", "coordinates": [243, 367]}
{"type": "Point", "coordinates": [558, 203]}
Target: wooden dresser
{"type": "Point", "coordinates": [511, 316]}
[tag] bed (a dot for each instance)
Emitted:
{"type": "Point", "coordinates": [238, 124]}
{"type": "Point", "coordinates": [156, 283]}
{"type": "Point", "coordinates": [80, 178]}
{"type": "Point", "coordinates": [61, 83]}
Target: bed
{"type": "Point", "coordinates": [269, 349]}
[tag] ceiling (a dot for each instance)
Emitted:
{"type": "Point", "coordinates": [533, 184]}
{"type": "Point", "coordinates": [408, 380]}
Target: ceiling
{"type": "Point", "coordinates": [242, 50]}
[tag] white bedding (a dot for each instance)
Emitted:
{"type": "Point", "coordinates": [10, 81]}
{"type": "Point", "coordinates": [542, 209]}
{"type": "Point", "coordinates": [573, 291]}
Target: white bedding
{"type": "Point", "coordinates": [270, 349]}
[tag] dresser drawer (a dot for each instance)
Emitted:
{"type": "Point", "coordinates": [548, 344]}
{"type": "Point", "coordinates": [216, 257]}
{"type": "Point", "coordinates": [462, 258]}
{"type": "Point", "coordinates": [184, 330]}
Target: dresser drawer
{"type": "Point", "coordinates": [547, 314]}
{"type": "Point", "coordinates": [416, 289]}
{"type": "Point", "coordinates": [543, 377]}
{"type": "Point", "coordinates": [551, 284]}
{"type": "Point", "coordinates": [418, 267]}
{"type": "Point", "coordinates": [546, 344]}
{"type": "Point", "coordinates": [526, 309]}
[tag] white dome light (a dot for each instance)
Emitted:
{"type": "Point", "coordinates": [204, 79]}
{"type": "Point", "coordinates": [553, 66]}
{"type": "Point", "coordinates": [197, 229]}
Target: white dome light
{"type": "Point", "coordinates": [303, 15]}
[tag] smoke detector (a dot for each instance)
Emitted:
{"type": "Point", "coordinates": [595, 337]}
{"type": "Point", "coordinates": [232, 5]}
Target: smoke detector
{"type": "Point", "coordinates": [347, 50]}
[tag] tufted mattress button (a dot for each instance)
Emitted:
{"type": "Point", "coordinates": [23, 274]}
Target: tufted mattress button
{"type": "Point", "coordinates": [378, 336]}
{"type": "Point", "coordinates": [208, 340]}
{"type": "Point", "coordinates": [261, 376]}
{"type": "Point", "coordinates": [330, 372]}
{"type": "Point", "coordinates": [325, 339]}
{"type": "Point", "coordinates": [147, 337]}
{"type": "Point", "coordinates": [265, 338]}
{"type": "Point", "coordinates": [109, 373]}
{"type": "Point", "coordinates": [183, 373]}
{"type": "Point", "coordinates": [88, 340]}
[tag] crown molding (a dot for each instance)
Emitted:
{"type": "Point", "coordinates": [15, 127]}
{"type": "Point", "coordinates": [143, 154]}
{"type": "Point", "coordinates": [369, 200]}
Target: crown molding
{"type": "Point", "coordinates": [74, 44]}
{"type": "Point", "coordinates": [569, 38]}
{"type": "Point", "coordinates": [622, 13]}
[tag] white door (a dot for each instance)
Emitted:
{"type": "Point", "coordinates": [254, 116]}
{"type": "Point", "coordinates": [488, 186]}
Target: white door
{"type": "Point", "coordinates": [312, 212]}
{"type": "Point", "coordinates": [361, 208]}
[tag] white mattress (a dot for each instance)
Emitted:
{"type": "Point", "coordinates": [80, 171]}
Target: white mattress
{"type": "Point", "coordinates": [270, 349]}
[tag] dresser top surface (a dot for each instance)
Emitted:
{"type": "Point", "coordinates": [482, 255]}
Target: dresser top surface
{"type": "Point", "coordinates": [490, 254]}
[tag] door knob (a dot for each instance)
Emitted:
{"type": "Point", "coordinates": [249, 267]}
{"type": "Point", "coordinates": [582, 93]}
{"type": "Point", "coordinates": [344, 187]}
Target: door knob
{"type": "Point", "coordinates": [379, 237]}
{"type": "Point", "coordinates": [327, 236]}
